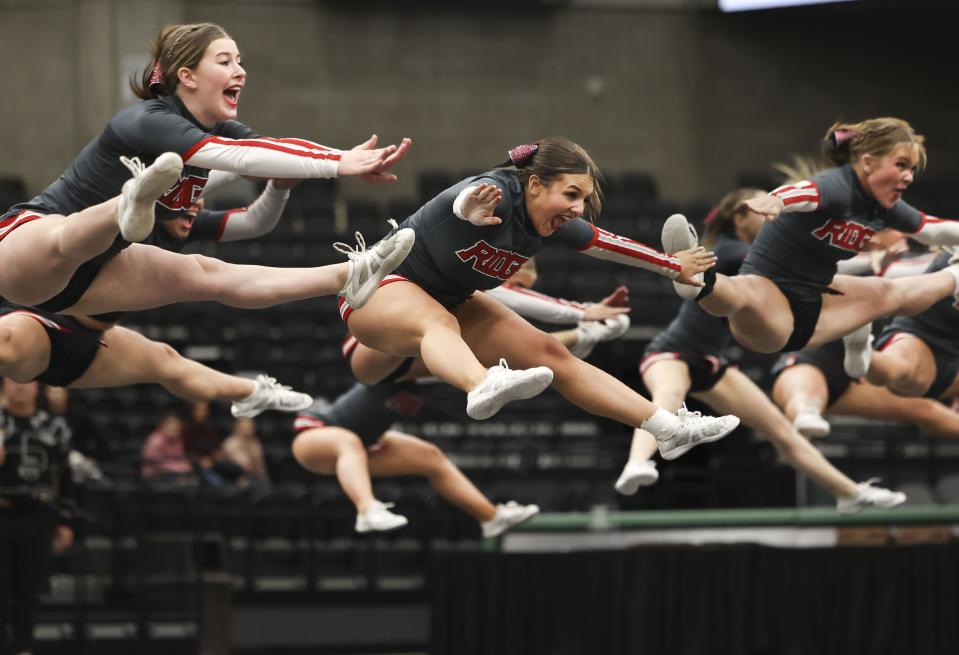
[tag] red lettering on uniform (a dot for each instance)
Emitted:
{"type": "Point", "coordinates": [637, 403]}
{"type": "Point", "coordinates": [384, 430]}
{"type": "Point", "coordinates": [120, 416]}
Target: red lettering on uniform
{"type": "Point", "coordinates": [501, 264]}
{"type": "Point", "coordinates": [184, 193]}
{"type": "Point", "coordinates": [844, 234]}
{"type": "Point", "coordinates": [405, 404]}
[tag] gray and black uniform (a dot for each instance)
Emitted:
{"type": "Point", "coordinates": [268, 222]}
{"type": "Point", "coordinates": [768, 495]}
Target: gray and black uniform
{"type": "Point", "coordinates": [74, 346]}
{"type": "Point", "coordinates": [695, 336]}
{"type": "Point", "coordinates": [369, 410]}
{"type": "Point", "coordinates": [828, 358]}
{"type": "Point", "coordinates": [938, 328]}
{"type": "Point", "coordinates": [827, 218]}
{"type": "Point", "coordinates": [145, 130]}
{"type": "Point", "coordinates": [36, 494]}
{"type": "Point", "coordinates": [452, 258]}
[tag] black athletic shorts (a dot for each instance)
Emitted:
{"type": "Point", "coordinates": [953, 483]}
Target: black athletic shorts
{"type": "Point", "coordinates": [73, 346]}
{"type": "Point", "coordinates": [704, 370]}
{"type": "Point", "coordinates": [947, 366]}
{"type": "Point", "coordinates": [828, 359]}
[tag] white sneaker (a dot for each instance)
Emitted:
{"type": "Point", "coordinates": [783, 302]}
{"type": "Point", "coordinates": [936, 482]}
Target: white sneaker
{"type": "Point", "coordinates": [858, 347]}
{"type": "Point", "coordinates": [379, 518]}
{"type": "Point", "coordinates": [369, 267]}
{"type": "Point", "coordinates": [678, 235]}
{"type": "Point", "coordinates": [695, 429]}
{"type": "Point", "coordinates": [636, 475]}
{"type": "Point", "coordinates": [270, 394]}
{"type": "Point", "coordinates": [507, 516]}
{"type": "Point", "coordinates": [869, 496]}
{"type": "Point", "coordinates": [135, 211]}
{"type": "Point", "coordinates": [503, 385]}
{"type": "Point", "coordinates": [588, 334]}
{"type": "Point", "coordinates": [810, 423]}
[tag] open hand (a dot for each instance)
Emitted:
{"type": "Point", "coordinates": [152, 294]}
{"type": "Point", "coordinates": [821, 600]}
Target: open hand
{"type": "Point", "coordinates": [478, 206]}
{"type": "Point", "coordinates": [693, 261]}
{"type": "Point", "coordinates": [768, 205]}
{"type": "Point", "coordinates": [371, 163]}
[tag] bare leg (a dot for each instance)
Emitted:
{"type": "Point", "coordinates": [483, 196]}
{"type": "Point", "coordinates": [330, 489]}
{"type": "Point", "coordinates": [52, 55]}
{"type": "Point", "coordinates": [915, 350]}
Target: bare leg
{"type": "Point", "coordinates": [801, 388]}
{"type": "Point", "coordinates": [906, 366]}
{"type": "Point", "coordinates": [402, 320]}
{"type": "Point", "coordinates": [131, 358]}
{"type": "Point", "coordinates": [403, 454]}
{"type": "Point", "coordinates": [760, 317]}
{"type": "Point", "coordinates": [143, 277]}
{"type": "Point", "coordinates": [668, 382]}
{"type": "Point", "coordinates": [866, 299]}
{"type": "Point", "coordinates": [868, 401]}
{"type": "Point", "coordinates": [735, 390]}
{"type": "Point", "coordinates": [24, 348]}
{"type": "Point", "coordinates": [493, 331]}
{"type": "Point", "coordinates": [336, 450]}
{"type": "Point", "coordinates": [41, 256]}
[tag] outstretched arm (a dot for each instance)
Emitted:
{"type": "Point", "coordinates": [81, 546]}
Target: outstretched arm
{"type": "Point", "coordinates": [623, 250]}
{"type": "Point", "coordinates": [934, 231]}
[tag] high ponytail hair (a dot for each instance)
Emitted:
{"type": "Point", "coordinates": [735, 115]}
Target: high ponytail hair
{"type": "Point", "coordinates": [722, 218]}
{"type": "Point", "coordinates": [845, 143]}
{"type": "Point", "coordinates": [175, 47]}
{"type": "Point", "coordinates": [549, 158]}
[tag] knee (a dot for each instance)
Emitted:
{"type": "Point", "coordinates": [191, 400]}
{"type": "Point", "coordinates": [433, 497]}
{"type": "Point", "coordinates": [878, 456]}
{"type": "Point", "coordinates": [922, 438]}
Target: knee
{"type": "Point", "coordinates": [166, 361]}
{"type": "Point", "coordinates": [20, 358]}
{"type": "Point", "coordinates": [433, 459]}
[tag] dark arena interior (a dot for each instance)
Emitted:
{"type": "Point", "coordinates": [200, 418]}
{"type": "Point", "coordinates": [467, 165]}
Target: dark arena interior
{"type": "Point", "coordinates": [183, 495]}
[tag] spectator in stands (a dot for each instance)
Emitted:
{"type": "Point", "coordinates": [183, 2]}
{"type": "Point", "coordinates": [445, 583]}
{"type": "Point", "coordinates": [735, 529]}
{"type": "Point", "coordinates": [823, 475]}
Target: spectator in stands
{"type": "Point", "coordinates": [164, 458]}
{"type": "Point", "coordinates": [204, 445]}
{"type": "Point", "coordinates": [36, 508]}
{"type": "Point", "coordinates": [244, 449]}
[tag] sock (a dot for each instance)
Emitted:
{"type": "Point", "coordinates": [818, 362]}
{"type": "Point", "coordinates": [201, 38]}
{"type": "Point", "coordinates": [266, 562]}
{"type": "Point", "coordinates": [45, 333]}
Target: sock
{"type": "Point", "coordinates": [662, 424]}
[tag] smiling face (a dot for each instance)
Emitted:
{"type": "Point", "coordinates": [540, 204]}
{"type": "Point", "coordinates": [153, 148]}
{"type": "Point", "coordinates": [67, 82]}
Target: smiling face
{"type": "Point", "coordinates": [551, 206]}
{"type": "Point", "coordinates": [211, 91]}
{"type": "Point", "coordinates": [887, 177]}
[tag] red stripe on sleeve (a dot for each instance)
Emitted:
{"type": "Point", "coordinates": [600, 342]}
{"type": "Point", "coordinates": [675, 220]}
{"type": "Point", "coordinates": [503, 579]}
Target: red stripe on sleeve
{"type": "Point", "coordinates": [592, 242]}
{"type": "Point", "coordinates": [199, 144]}
{"type": "Point", "coordinates": [226, 216]}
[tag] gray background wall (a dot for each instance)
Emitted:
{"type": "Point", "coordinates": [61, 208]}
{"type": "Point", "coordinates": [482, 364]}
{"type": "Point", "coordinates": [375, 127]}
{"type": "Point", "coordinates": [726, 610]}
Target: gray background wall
{"type": "Point", "coordinates": [694, 96]}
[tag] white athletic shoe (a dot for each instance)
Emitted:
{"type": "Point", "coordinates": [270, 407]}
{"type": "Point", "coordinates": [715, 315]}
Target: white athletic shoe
{"type": "Point", "coordinates": [135, 212]}
{"type": "Point", "coordinates": [695, 429]}
{"type": "Point", "coordinates": [678, 235]}
{"type": "Point", "coordinates": [590, 333]}
{"type": "Point", "coordinates": [507, 516]}
{"type": "Point", "coordinates": [869, 496]}
{"type": "Point", "coordinates": [270, 394]}
{"type": "Point", "coordinates": [858, 346]}
{"type": "Point", "coordinates": [502, 385]}
{"type": "Point", "coordinates": [636, 475]}
{"type": "Point", "coordinates": [369, 267]}
{"type": "Point", "coordinates": [379, 518]}
{"type": "Point", "coordinates": [810, 423]}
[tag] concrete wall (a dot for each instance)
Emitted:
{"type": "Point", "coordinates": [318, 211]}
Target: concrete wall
{"type": "Point", "coordinates": [692, 96]}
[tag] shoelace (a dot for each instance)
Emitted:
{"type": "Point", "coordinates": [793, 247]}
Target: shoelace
{"type": "Point", "coordinates": [133, 164]}
{"type": "Point", "coordinates": [868, 483]}
{"type": "Point", "coordinates": [271, 383]}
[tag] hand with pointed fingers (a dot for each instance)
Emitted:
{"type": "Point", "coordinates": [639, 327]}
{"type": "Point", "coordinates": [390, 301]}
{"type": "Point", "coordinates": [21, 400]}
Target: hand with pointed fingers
{"type": "Point", "coordinates": [693, 261]}
{"type": "Point", "coordinates": [600, 312]}
{"type": "Point", "coordinates": [768, 205]}
{"type": "Point", "coordinates": [618, 298]}
{"type": "Point", "coordinates": [480, 203]}
{"type": "Point", "coordinates": [380, 172]}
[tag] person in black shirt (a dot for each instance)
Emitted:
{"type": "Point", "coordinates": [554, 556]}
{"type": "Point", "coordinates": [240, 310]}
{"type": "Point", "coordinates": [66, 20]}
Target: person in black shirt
{"type": "Point", "coordinates": [475, 236]}
{"type": "Point", "coordinates": [688, 358]}
{"type": "Point", "coordinates": [36, 506]}
{"type": "Point", "coordinates": [787, 294]}
{"type": "Point", "coordinates": [69, 248]}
